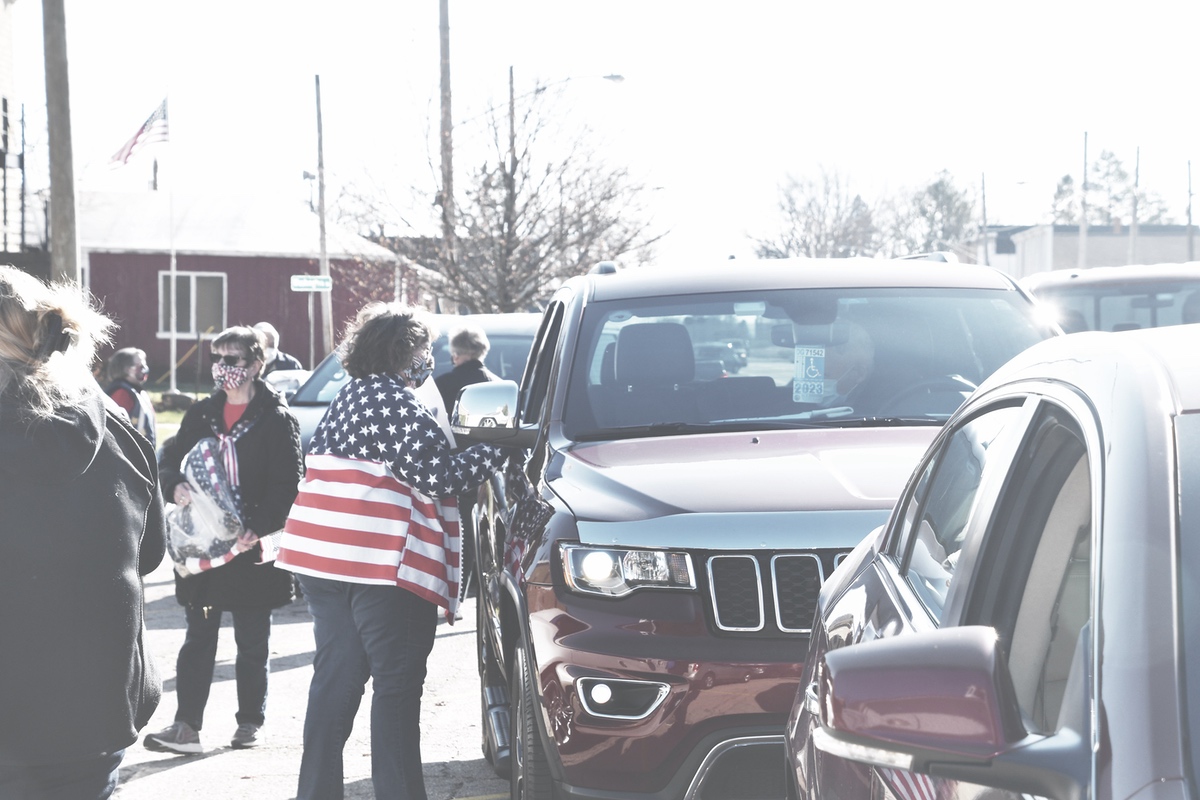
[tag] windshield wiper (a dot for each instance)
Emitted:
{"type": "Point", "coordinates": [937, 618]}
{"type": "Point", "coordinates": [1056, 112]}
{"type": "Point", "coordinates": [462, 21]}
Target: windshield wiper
{"type": "Point", "coordinates": [717, 426]}
{"type": "Point", "coordinates": [896, 422]}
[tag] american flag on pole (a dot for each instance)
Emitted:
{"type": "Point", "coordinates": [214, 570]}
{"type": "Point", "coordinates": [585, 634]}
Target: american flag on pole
{"type": "Point", "coordinates": [153, 130]}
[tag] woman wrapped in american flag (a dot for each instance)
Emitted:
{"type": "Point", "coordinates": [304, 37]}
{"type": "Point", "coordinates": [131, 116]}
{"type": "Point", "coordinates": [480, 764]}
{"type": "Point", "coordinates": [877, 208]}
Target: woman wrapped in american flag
{"type": "Point", "coordinates": [374, 538]}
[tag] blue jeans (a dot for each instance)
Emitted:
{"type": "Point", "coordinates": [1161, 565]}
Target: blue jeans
{"type": "Point", "coordinates": [92, 779]}
{"type": "Point", "coordinates": [366, 631]}
{"type": "Point", "coordinates": [198, 656]}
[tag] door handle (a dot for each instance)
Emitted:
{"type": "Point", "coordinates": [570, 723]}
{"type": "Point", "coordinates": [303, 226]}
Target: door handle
{"type": "Point", "coordinates": [812, 700]}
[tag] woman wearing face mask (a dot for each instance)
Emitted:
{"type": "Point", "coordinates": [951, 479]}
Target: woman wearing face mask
{"type": "Point", "coordinates": [259, 446]}
{"type": "Point", "coordinates": [374, 538]}
{"type": "Point", "coordinates": [127, 371]}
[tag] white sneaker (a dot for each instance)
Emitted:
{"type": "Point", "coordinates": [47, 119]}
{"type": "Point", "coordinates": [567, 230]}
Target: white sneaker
{"type": "Point", "coordinates": [178, 738]}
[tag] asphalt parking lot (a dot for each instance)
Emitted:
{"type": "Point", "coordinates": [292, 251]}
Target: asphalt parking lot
{"type": "Point", "coordinates": [450, 733]}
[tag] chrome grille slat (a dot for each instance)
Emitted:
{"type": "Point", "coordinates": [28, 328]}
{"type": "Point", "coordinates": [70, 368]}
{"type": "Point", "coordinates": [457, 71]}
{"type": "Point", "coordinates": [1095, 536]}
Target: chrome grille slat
{"type": "Point", "coordinates": [735, 586]}
{"type": "Point", "coordinates": [796, 579]}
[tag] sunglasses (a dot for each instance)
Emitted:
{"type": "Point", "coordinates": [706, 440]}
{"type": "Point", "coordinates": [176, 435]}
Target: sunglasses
{"type": "Point", "coordinates": [229, 361]}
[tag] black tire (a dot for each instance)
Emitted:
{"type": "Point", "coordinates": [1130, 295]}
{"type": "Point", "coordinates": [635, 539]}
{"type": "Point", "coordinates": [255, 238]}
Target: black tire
{"type": "Point", "coordinates": [530, 778]}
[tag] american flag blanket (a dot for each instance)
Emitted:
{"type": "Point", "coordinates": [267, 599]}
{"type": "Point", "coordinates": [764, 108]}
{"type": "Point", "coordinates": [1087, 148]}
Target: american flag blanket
{"type": "Point", "coordinates": [377, 504]}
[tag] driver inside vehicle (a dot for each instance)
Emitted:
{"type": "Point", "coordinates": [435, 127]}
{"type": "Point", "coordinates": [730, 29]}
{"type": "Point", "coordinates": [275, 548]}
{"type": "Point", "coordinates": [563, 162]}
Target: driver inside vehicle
{"type": "Point", "coordinates": [832, 376]}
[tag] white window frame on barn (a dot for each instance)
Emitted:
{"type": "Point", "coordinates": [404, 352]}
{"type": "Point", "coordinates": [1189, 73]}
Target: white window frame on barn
{"type": "Point", "coordinates": [213, 310]}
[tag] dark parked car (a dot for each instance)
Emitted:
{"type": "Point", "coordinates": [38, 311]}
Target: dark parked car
{"type": "Point", "coordinates": [1119, 298]}
{"type": "Point", "coordinates": [650, 558]}
{"type": "Point", "coordinates": [1028, 621]}
{"type": "Point", "coordinates": [510, 336]}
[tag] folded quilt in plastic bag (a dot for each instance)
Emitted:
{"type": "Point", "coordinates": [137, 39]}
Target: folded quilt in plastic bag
{"type": "Point", "coordinates": [201, 535]}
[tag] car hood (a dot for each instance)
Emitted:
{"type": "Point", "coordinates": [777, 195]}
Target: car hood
{"type": "Point", "coordinates": [775, 476]}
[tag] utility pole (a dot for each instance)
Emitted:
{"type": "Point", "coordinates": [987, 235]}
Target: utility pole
{"type": "Point", "coordinates": [64, 248]}
{"type": "Point", "coordinates": [510, 191]}
{"type": "Point", "coordinates": [1083, 218]}
{"type": "Point", "coordinates": [987, 260]}
{"type": "Point", "coordinates": [1191, 232]}
{"type": "Point", "coordinates": [447, 195]}
{"type": "Point", "coordinates": [326, 297]}
{"type": "Point", "coordinates": [1133, 225]}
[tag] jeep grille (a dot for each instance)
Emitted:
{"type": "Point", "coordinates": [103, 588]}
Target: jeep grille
{"type": "Point", "coordinates": [785, 600]}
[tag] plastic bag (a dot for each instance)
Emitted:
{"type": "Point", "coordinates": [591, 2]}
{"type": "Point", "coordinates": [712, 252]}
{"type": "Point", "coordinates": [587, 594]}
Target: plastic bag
{"type": "Point", "coordinates": [208, 527]}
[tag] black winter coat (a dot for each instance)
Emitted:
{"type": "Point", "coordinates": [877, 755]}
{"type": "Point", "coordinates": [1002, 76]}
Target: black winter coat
{"type": "Point", "coordinates": [270, 466]}
{"type": "Point", "coordinates": [465, 374]}
{"type": "Point", "coordinates": [81, 519]}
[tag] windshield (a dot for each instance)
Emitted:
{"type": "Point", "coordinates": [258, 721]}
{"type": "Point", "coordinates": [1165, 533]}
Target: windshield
{"type": "Point", "coordinates": [506, 358]}
{"type": "Point", "coordinates": [1123, 306]}
{"type": "Point", "coordinates": [827, 357]}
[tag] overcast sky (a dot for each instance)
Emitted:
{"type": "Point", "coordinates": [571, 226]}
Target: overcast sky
{"type": "Point", "coordinates": [720, 102]}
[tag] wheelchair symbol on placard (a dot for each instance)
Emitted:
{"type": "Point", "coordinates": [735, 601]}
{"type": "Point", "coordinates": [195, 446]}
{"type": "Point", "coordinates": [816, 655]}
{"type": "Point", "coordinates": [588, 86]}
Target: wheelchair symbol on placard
{"type": "Point", "coordinates": [812, 371]}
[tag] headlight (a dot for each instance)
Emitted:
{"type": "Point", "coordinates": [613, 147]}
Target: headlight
{"type": "Point", "coordinates": [617, 571]}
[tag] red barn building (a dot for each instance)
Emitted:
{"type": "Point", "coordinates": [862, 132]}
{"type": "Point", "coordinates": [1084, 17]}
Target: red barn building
{"type": "Point", "coordinates": [234, 260]}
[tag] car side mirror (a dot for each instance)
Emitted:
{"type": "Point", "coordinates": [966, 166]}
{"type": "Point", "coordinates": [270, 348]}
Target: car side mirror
{"type": "Point", "coordinates": [487, 412]}
{"type": "Point", "coordinates": [942, 703]}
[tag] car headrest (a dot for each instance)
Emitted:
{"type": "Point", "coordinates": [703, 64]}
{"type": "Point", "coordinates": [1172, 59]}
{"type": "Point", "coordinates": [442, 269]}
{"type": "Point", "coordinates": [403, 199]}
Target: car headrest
{"type": "Point", "coordinates": [654, 354]}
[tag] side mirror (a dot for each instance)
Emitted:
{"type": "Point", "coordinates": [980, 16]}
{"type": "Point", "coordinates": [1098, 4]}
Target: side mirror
{"type": "Point", "coordinates": [942, 703]}
{"type": "Point", "coordinates": [487, 412]}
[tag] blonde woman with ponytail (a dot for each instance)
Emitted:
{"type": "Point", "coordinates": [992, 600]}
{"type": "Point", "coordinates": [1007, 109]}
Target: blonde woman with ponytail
{"type": "Point", "coordinates": [82, 522]}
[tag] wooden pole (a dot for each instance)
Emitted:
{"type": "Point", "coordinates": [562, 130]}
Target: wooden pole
{"type": "Point", "coordinates": [64, 248]}
{"type": "Point", "coordinates": [449, 243]}
{"type": "Point", "coordinates": [326, 297]}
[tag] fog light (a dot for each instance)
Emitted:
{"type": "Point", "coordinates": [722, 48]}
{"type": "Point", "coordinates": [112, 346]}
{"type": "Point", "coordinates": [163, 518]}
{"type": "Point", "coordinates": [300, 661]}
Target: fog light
{"type": "Point", "coordinates": [601, 694]}
{"type": "Point", "coordinates": [618, 698]}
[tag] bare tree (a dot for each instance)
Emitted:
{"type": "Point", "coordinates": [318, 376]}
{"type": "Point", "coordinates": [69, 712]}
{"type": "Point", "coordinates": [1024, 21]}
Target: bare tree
{"type": "Point", "coordinates": [939, 216]}
{"type": "Point", "coordinates": [539, 207]}
{"type": "Point", "coordinates": [1110, 196]}
{"type": "Point", "coordinates": [822, 219]}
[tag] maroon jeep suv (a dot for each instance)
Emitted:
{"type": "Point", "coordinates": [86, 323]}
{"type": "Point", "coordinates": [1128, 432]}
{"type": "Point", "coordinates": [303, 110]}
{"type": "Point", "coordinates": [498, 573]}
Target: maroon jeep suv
{"type": "Point", "coordinates": [649, 561]}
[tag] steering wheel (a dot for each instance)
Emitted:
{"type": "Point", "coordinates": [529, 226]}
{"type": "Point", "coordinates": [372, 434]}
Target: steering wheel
{"type": "Point", "coordinates": [943, 383]}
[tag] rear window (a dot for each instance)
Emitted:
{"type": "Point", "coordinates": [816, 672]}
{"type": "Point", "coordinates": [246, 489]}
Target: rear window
{"type": "Point", "coordinates": [1120, 306]}
{"type": "Point", "coordinates": [777, 358]}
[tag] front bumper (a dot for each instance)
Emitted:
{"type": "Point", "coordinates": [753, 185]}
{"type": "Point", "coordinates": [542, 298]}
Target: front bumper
{"type": "Point", "coordinates": [679, 705]}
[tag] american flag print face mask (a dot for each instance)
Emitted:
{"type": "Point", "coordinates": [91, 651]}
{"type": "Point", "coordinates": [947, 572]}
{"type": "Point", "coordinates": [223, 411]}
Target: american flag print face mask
{"type": "Point", "coordinates": [229, 378]}
{"type": "Point", "coordinates": [420, 370]}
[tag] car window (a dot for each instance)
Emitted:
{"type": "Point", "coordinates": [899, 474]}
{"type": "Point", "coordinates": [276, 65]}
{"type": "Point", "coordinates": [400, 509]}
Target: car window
{"type": "Point", "coordinates": [506, 358]}
{"type": "Point", "coordinates": [937, 515]}
{"type": "Point", "coordinates": [1120, 306]}
{"type": "Point", "coordinates": [790, 357]}
{"type": "Point", "coordinates": [1034, 580]}
{"type": "Point", "coordinates": [537, 372]}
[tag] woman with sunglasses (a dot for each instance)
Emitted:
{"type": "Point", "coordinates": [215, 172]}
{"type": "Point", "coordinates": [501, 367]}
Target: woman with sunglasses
{"type": "Point", "coordinates": [259, 447]}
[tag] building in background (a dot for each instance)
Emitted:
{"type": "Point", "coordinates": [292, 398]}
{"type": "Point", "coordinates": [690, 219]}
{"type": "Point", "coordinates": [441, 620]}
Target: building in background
{"type": "Point", "coordinates": [234, 260]}
{"type": "Point", "coordinates": [1046, 247]}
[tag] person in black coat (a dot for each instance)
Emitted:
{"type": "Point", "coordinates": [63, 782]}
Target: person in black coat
{"type": "Point", "coordinates": [274, 358]}
{"type": "Point", "coordinates": [265, 467]}
{"type": "Point", "coordinates": [468, 347]}
{"type": "Point", "coordinates": [82, 522]}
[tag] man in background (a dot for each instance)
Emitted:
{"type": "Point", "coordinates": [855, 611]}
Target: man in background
{"type": "Point", "coordinates": [127, 371]}
{"type": "Point", "coordinates": [468, 347]}
{"type": "Point", "coordinates": [275, 358]}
